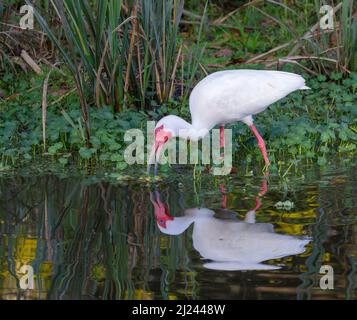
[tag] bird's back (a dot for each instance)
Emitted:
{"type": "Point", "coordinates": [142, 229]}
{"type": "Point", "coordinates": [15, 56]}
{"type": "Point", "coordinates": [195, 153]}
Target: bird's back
{"type": "Point", "coordinates": [233, 240]}
{"type": "Point", "coordinates": [232, 95]}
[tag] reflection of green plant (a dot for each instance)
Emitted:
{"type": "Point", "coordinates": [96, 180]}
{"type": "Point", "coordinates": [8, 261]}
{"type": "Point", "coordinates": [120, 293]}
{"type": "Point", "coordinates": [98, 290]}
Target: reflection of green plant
{"type": "Point", "coordinates": [94, 243]}
{"type": "Point", "coordinates": [92, 240]}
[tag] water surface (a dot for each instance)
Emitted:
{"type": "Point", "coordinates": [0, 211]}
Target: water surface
{"type": "Point", "coordinates": [94, 238]}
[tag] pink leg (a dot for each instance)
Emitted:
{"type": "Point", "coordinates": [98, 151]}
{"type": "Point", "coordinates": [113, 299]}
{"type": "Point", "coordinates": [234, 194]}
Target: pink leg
{"type": "Point", "coordinates": [263, 188]}
{"type": "Point", "coordinates": [221, 139]}
{"type": "Point", "coordinates": [261, 144]}
{"type": "Point", "coordinates": [221, 186]}
{"type": "Point", "coordinates": [224, 197]}
{"type": "Point", "coordinates": [258, 204]}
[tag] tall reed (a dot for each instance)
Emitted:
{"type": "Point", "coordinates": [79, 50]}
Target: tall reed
{"type": "Point", "coordinates": [120, 53]}
{"type": "Point", "coordinates": [317, 50]}
{"type": "Point", "coordinates": [336, 49]}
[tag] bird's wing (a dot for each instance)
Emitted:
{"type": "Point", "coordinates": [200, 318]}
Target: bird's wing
{"type": "Point", "coordinates": [232, 95]}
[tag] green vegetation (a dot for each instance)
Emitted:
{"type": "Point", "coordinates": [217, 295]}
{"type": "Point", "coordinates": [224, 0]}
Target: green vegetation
{"type": "Point", "coordinates": [113, 65]}
{"type": "Point", "coordinates": [311, 125]}
{"type": "Point", "coordinates": [308, 126]}
{"type": "Point", "coordinates": [284, 33]}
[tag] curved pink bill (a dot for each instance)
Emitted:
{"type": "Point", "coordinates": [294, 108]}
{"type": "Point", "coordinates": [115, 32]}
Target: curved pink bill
{"type": "Point", "coordinates": [161, 137]}
{"type": "Point", "coordinates": [154, 157]}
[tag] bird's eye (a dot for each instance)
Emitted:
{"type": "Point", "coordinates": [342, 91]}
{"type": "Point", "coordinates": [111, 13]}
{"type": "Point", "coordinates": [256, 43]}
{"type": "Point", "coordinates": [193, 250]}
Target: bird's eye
{"type": "Point", "coordinates": [159, 129]}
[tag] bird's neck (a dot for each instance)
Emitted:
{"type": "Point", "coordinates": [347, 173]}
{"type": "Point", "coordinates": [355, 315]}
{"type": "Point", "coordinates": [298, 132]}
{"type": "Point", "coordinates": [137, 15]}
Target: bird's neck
{"type": "Point", "coordinates": [188, 131]}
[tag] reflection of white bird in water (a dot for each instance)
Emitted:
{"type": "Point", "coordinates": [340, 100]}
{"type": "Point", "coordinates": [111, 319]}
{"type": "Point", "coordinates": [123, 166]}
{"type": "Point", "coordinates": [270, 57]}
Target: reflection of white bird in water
{"type": "Point", "coordinates": [229, 243]}
{"type": "Point", "coordinates": [225, 97]}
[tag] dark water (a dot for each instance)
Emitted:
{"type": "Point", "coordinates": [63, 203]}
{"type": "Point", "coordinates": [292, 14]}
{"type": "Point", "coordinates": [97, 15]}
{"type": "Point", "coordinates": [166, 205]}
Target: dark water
{"type": "Point", "coordinates": [96, 239]}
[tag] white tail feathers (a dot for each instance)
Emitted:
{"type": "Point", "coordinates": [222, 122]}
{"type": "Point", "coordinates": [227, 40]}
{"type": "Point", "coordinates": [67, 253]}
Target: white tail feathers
{"type": "Point", "coordinates": [305, 88]}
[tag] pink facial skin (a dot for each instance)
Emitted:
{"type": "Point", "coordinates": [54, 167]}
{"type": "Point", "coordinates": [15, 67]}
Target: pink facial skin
{"type": "Point", "coordinates": [161, 136]}
{"type": "Point", "coordinates": [161, 212]}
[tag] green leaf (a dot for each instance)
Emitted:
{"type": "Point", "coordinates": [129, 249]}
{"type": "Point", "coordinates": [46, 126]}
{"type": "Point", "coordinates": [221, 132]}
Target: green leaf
{"type": "Point", "coordinates": [121, 165]}
{"type": "Point", "coordinates": [63, 161]}
{"type": "Point", "coordinates": [86, 153]}
{"type": "Point", "coordinates": [321, 161]}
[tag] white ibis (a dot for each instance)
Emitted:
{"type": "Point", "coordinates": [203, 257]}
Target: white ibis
{"type": "Point", "coordinates": [230, 244]}
{"type": "Point", "coordinates": [225, 97]}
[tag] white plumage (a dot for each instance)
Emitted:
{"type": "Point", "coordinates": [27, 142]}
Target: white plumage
{"type": "Point", "coordinates": [225, 97]}
{"type": "Point", "coordinates": [231, 244]}
{"type": "Point", "coordinates": [236, 95]}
